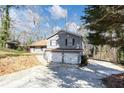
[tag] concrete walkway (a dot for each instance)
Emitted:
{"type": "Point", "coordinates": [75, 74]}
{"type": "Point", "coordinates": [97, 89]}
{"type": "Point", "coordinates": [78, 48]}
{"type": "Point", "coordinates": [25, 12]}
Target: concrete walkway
{"type": "Point", "coordinates": [61, 75]}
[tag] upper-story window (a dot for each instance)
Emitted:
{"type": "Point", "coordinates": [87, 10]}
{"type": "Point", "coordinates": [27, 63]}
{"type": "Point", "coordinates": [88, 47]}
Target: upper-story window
{"type": "Point", "coordinates": [53, 42]}
{"type": "Point", "coordinates": [69, 42]}
{"type": "Point", "coordinates": [73, 41]}
{"type": "Point", "coordinates": [66, 42]}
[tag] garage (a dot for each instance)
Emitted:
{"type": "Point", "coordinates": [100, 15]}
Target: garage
{"type": "Point", "coordinates": [54, 57]}
{"type": "Point", "coordinates": [71, 58]}
{"type": "Point", "coordinates": [63, 57]}
{"type": "Point", "coordinates": [57, 57]}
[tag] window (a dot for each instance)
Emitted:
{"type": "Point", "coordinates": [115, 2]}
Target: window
{"type": "Point", "coordinates": [66, 42]}
{"type": "Point", "coordinates": [73, 41]}
{"type": "Point", "coordinates": [69, 42]}
{"type": "Point", "coordinates": [53, 42]}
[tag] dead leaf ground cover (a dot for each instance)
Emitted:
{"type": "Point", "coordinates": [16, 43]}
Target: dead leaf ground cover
{"type": "Point", "coordinates": [114, 81]}
{"type": "Point", "coordinates": [12, 64]}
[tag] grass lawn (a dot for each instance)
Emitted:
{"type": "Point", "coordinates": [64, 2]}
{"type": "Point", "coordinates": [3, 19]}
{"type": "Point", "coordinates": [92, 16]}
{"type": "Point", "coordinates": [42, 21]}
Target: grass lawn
{"type": "Point", "coordinates": [5, 52]}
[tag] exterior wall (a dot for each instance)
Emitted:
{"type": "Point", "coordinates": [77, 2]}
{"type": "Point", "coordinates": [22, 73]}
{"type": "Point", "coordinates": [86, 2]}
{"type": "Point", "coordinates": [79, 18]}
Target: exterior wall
{"type": "Point", "coordinates": [56, 38]}
{"type": "Point", "coordinates": [48, 56]}
{"type": "Point", "coordinates": [31, 50]}
{"type": "Point", "coordinates": [60, 41]}
{"type": "Point", "coordinates": [36, 50]}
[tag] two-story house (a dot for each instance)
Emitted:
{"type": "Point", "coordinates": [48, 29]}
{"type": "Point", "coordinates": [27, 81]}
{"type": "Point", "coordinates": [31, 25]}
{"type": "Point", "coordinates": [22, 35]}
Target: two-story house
{"type": "Point", "coordinates": [64, 47]}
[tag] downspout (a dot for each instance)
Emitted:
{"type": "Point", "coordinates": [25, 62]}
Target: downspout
{"type": "Point", "coordinates": [62, 56]}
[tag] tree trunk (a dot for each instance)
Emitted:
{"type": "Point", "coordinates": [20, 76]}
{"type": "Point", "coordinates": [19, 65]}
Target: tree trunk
{"type": "Point", "coordinates": [94, 51]}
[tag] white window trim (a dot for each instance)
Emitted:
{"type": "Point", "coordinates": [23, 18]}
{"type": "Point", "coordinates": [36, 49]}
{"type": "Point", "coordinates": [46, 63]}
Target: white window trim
{"type": "Point", "coordinates": [53, 44]}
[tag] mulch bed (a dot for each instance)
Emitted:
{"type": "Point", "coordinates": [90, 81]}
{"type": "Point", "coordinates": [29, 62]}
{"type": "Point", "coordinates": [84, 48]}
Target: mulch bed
{"type": "Point", "coordinates": [114, 81]}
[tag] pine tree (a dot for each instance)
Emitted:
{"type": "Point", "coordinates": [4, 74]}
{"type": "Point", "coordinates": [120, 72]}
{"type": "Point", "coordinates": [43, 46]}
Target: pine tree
{"type": "Point", "coordinates": [4, 33]}
{"type": "Point", "coordinates": [106, 24]}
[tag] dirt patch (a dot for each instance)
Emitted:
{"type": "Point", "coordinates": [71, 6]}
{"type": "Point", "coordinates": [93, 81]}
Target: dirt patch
{"type": "Point", "coordinates": [12, 64]}
{"type": "Point", "coordinates": [114, 81]}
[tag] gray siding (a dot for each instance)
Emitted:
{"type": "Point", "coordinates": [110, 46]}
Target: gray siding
{"type": "Point", "coordinates": [60, 39]}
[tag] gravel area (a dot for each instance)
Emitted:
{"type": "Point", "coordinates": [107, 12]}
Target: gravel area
{"type": "Point", "coordinates": [61, 75]}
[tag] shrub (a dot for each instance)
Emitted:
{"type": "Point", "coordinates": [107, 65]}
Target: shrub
{"type": "Point", "coordinates": [19, 49]}
{"type": "Point", "coordinates": [84, 61]}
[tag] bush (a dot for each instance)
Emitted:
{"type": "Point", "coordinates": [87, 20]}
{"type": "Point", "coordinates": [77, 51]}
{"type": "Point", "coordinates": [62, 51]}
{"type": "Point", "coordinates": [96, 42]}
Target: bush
{"type": "Point", "coordinates": [19, 49]}
{"type": "Point", "coordinates": [84, 61]}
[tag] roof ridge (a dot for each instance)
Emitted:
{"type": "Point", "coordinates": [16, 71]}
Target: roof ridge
{"type": "Point", "coordinates": [64, 31]}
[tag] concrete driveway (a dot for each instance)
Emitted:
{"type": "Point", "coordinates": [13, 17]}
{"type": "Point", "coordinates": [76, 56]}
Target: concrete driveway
{"type": "Point", "coordinates": [61, 75]}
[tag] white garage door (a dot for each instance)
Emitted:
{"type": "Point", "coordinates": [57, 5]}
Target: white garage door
{"type": "Point", "coordinates": [71, 58]}
{"type": "Point", "coordinates": [60, 57]}
{"type": "Point", "coordinates": [57, 57]}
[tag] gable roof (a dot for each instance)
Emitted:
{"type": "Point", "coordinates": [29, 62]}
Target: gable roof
{"type": "Point", "coordinates": [39, 43]}
{"type": "Point", "coordinates": [65, 32]}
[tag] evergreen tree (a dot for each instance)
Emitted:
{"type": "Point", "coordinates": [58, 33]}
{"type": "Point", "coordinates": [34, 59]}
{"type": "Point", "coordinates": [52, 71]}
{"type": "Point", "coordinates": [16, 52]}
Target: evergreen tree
{"type": "Point", "coordinates": [106, 25]}
{"type": "Point", "coordinates": [5, 21]}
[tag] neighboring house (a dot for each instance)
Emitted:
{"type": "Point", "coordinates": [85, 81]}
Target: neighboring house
{"type": "Point", "coordinates": [64, 47]}
{"type": "Point", "coordinates": [38, 47]}
{"type": "Point", "coordinates": [12, 44]}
